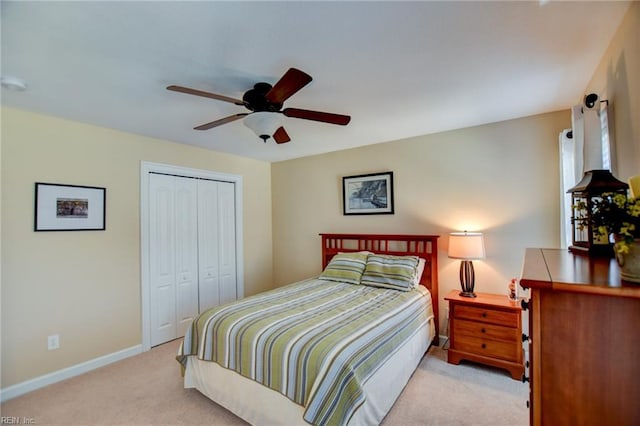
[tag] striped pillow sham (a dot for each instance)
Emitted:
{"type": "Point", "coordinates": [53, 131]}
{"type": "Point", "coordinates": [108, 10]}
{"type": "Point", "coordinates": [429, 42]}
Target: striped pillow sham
{"type": "Point", "coordinates": [345, 267]}
{"type": "Point", "coordinates": [394, 272]}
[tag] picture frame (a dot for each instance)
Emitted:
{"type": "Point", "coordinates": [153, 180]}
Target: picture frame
{"type": "Point", "coordinates": [368, 194]}
{"type": "Point", "coordinates": [60, 207]}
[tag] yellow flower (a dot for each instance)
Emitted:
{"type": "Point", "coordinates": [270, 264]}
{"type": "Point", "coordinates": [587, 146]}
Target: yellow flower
{"type": "Point", "coordinates": [622, 248]}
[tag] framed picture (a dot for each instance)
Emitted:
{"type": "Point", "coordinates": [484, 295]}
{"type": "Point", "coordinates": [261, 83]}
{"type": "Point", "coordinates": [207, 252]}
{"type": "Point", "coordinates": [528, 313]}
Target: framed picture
{"type": "Point", "coordinates": [69, 207]}
{"type": "Point", "coordinates": [368, 194]}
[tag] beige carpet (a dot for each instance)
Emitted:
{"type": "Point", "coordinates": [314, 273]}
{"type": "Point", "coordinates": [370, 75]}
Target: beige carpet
{"type": "Point", "coordinates": [147, 390]}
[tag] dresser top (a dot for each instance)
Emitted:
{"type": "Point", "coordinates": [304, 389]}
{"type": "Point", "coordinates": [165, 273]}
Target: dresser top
{"type": "Point", "coordinates": [559, 269]}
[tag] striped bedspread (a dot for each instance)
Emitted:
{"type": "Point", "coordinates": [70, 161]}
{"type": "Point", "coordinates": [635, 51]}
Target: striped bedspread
{"type": "Point", "coordinates": [316, 342]}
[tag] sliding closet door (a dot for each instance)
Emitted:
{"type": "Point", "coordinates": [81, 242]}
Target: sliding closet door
{"type": "Point", "coordinates": [208, 253]}
{"type": "Point", "coordinates": [162, 272]}
{"type": "Point", "coordinates": [173, 255]}
{"type": "Point", "coordinates": [186, 256]}
{"type": "Point", "coordinates": [216, 243]}
{"type": "Point", "coordinates": [227, 242]}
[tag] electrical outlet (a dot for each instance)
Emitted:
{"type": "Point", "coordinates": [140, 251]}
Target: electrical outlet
{"type": "Point", "coordinates": [53, 342]}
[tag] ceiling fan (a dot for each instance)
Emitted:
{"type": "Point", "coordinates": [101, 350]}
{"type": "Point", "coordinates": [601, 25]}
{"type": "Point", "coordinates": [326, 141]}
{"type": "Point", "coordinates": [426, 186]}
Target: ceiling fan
{"type": "Point", "coordinates": [265, 101]}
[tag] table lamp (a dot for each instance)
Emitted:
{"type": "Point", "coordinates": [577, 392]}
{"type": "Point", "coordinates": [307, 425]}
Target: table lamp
{"type": "Point", "coordinates": [466, 246]}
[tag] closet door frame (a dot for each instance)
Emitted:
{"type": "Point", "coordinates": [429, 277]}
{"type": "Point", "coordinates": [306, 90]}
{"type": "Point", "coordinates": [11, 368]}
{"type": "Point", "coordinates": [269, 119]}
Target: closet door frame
{"type": "Point", "coordinates": [147, 168]}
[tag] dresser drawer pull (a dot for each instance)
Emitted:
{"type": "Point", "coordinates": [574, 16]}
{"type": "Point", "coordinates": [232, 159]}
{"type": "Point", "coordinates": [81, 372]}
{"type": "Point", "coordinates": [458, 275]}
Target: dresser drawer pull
{"type": "Point", "coordinates": [484, 315]}
{"type": "Point", "coordinates": [484, 346]}
{"type": "Point", "coordinates": [483, 330]}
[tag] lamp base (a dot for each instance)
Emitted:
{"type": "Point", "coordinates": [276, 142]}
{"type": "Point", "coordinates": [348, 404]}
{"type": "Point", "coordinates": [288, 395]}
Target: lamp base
{"type": "Point", "coordinates": [467, 279]}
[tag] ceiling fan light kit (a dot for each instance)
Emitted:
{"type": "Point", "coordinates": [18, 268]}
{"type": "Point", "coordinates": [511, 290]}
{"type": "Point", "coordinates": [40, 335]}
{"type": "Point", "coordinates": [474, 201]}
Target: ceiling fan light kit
{"type": "Point", "coordinates": [266, 101]}
{"type": "Point", "coordinates": [263, 123]}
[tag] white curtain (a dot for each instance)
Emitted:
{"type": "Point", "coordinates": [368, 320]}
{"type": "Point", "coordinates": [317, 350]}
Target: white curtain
{"type": "Point", "coordinates": [586, 146]}
{"type": "Point", "coordinates": [608, 152]}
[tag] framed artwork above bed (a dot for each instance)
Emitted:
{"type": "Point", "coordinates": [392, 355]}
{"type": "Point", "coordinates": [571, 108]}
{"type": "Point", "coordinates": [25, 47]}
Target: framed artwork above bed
{"type": "Point", "coordinates": [368, 194]}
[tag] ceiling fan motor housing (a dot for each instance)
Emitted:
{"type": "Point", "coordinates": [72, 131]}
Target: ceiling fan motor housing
{"type": "Point", "coordinates": [256, 100]}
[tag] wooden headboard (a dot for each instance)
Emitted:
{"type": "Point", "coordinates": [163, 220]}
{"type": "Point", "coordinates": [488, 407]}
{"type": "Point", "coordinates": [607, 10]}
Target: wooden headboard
{"type": "Point", "coordinates": [424, 246]}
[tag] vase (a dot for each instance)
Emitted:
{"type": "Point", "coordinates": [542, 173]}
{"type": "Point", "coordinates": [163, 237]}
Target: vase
{"type": "Point", "coordinates": [630, 262]}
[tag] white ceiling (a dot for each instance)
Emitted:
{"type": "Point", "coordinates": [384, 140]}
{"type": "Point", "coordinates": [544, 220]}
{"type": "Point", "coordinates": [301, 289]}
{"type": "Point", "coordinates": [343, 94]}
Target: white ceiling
{"type": "Point", "coordinates": [400, 69]}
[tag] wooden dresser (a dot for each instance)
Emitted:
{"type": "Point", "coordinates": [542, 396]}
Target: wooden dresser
{"type": "Point", "coordinates": [486, 329]}
{"type": "Point", "coordinates": [584, 334]}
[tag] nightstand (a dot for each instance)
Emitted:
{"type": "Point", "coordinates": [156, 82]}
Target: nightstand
{"type": "Point", "coordinates": [486, 329]}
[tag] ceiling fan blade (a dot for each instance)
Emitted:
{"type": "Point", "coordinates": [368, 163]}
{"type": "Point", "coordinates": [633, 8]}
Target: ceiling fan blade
{"type": "Point", "coordinates": [292, 81]}
{"type": "Point", "coordinates": [281, 136]}
{"type": "Point", "coordinates": [196, 92]}
{"type": "Point", "coordinates": [221, 121]}
{"type": "Point", "coordinates": [325, 117]}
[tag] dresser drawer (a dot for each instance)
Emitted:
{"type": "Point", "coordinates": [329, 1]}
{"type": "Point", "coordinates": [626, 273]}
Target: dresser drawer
{"type": "Point", "coordinates": [487, 347]}
{"type": "Point", "coordinates": [478, 313]}
{"type": "Point", "coordinates": [485, 331]}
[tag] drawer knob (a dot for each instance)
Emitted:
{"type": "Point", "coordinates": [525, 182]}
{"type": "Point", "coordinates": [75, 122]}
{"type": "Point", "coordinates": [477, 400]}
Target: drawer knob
{"type": "Point", "coordinates": [484, 346]}
{"type": "Point", "coordinates": [525, 338]}
{"type": "Point", "coordinates": [483, 330]}
{"type": "Point", "coordinates": [524, 304]}
{"type": "Point", "coordinates": [484, 315]}
{"type": "Point", "coordinates": [524, 379]}
{"type": "Point", "coordinates": [526, 364]}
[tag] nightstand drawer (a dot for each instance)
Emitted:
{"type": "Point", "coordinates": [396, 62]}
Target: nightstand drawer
{"type": "Point", "coordinates": [486, 347]}
{"type": "Point", "coordinates": [485, 331]}
{"type": "Point", "coordinates": [493, 316]}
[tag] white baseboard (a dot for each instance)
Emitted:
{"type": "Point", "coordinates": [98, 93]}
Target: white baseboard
{"type": "Point", "coordinates": [66, 373]}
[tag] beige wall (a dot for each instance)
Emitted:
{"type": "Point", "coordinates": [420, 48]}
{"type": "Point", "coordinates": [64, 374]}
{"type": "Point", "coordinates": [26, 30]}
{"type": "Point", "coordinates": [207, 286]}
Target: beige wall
{"type": "Point", "coordinates": [617, 79]}
{"type": "Point", "coordinates": [501, 179]}
{"type": "Point", "coordinates": [85, 286]}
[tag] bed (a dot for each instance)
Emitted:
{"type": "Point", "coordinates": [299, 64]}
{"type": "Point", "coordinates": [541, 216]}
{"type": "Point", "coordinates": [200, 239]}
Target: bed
{"type": "Point", "coordinates": [338, 348]}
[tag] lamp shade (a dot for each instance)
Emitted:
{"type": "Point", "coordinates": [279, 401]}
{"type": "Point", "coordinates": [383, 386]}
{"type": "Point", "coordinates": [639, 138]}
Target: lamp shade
{"type": "Point", "coordinates": [466, 245]}
{"type": "Point", "coordinates": [263, 123]}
